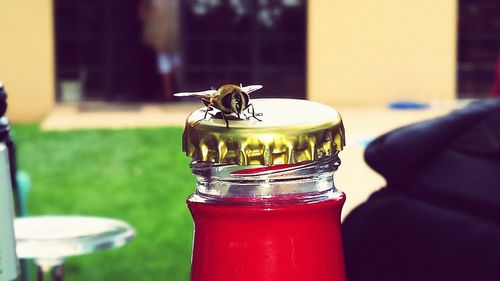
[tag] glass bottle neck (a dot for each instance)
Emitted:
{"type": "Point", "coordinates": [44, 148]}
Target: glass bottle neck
{"type": "Point", "coordinates": [306, 181]}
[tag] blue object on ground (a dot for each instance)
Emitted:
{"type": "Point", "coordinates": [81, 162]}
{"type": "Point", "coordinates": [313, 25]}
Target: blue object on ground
{"type": "Point", "coordinates": [408, 105]}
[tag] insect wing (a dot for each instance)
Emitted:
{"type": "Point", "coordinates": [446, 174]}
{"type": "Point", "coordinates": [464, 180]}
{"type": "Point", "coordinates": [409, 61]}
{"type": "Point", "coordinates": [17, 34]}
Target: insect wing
{"type": "Point", "coordinates": [207, 93]}
{"type": "Point", "coordinates": [250, 88]}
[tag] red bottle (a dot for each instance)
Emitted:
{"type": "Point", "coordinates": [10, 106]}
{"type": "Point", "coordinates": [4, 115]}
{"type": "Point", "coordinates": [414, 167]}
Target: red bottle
{"type": "Point", "coordinates": [268, 218]}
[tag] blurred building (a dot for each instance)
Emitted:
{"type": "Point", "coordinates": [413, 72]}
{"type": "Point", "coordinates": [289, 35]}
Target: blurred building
{"type": "Point", "coordinates": [338, 52]}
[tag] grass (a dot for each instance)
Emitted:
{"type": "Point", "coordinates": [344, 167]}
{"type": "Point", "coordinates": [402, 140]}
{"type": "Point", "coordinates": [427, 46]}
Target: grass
{"type": "Point", "coordinates": [137, 175]}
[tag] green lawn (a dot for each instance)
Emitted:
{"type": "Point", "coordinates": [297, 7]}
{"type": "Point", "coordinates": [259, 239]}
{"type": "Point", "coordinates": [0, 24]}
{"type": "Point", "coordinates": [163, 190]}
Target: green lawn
{"type": "Point", "coordinates": [137, 175]}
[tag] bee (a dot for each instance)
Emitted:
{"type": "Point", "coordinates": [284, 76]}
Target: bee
{"type": "Point", "coordinates": [229, 99]}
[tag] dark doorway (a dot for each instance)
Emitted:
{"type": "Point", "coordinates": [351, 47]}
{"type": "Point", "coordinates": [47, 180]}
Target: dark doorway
{"type": "Point", "coordinates": [98, 46]}
{"type": "Point", "coordinates": [246, 42]}
{"type": "Point", "coordinates": [478, 47]}
{"type": "Point", "coordinates": [99, 51]}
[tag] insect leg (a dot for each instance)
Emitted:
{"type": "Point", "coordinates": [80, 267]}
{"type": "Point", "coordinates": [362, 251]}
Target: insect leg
{"type": "Point", "coordinates": [225, 119]}
{"type": "Point", "coordinates": [254, 115]}
{"type": "Point", "coordinates": [206, 112]}
{"type": "Point", "coordinates": [209, 108]}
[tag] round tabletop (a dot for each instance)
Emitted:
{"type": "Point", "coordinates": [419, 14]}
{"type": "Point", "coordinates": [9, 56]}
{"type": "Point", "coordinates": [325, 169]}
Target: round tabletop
{"type": "Point", "coordinates": [57, 237]}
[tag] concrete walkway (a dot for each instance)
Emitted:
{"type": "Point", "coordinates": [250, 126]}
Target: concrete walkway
{"type": "Point", "coordinates": [362, 124]}
{"type": "Point", "coordinates": [113, 116]}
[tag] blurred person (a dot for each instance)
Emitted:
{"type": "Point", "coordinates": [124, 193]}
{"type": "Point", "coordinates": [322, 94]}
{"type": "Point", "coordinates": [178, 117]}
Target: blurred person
{"type": "Point", "coordinates": [161, 32]}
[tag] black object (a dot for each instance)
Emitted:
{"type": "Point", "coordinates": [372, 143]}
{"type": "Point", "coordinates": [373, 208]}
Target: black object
{"type": "Point", "coordinates": [3, 100]}
{"type": "Point", "coordinates": [4, 122]}
{"type": "Point", "coordinates": [438, 218]}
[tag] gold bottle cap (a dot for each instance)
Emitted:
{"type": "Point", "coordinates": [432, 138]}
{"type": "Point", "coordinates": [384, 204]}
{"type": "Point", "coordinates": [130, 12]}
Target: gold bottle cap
{"type": "Point", "coordinates": [291, 131]}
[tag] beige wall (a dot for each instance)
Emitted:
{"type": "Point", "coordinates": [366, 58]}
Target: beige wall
{"type": "Point", "coordinates": [364, 52]}
{"type": "Point", "coordinates": [359, 52]}
{"type": "Point", "coordinates": [27, 57]}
